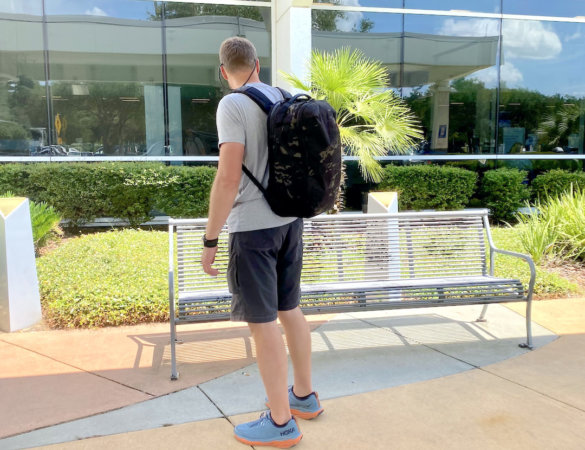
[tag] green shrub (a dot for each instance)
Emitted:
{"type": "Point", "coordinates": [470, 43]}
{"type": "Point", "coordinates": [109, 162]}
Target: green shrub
{"type": "Point", "coordinates": [106, 279]}
{"type": "Point", "coordinates": [188, 195]}
{"type": "Point", "coordinates": [503, 191]}
{"type": "Point", "coordinates": [429, 187]}
{"type": "Point", "coordinates": [555, 182]}
{"type": "Point", "coordinates": [44, 221]}
{"type": "Point", "coordinates": [558, 229]}
{"type": "Point", "coordinates": [538, 237]}
{"type": "Point", "coordinates": [81, 192]}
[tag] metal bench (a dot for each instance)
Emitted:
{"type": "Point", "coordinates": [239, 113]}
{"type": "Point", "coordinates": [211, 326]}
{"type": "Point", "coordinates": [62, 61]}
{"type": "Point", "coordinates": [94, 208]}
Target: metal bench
{"type": "Point", "coordinates": [358, 262]}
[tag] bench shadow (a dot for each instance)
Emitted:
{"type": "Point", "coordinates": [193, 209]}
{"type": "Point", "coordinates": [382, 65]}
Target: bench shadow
{"type": "Point", "coordinates": [217, 346]}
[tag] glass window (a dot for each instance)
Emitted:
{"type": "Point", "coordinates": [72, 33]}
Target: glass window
{"type": "Point", "coordinates": [542, 100]}
{"type": "Point", "coordinates": [445, 68]}
{"type": "Point", "coordinates": [450, 79]}
{"type": "Point", "coordinates": [354, 22]}
{"type": "Point", "coordinates": [486, 6]}
{"type": "Point", "coordinates": [28, 7]}
{"type": "Point", "coordinates": [106, 78]}
{"type": "Point", "coordinates": [23, 111]}
{"type": "Point", "coordinates": [194, 34]}
{"type": "Point", "coordinates": [369, 3]}
{"type": "Point", "coordinates": [380, 39]}
{"type": "Point", "coordinates": [560, 8]}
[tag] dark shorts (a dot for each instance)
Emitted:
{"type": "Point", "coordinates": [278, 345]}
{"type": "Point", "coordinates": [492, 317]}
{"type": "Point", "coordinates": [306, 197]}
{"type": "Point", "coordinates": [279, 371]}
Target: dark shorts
{"type": "Point", "coordinates": [264, 272]}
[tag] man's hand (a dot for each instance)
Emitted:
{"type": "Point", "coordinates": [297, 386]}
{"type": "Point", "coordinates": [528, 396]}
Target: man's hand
{"type": "Point", "coordinates": [207, 259]}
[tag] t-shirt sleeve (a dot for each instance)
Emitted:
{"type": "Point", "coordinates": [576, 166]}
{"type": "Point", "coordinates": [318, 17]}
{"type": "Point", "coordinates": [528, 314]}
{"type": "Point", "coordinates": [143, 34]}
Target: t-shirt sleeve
{"type": "Point", "coordinates": [230, 122]}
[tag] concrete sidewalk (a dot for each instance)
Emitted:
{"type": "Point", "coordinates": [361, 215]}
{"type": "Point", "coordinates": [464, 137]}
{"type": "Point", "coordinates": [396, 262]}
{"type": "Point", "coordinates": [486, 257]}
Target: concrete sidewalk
{"type": "Point", "coordinates": [429, 378]}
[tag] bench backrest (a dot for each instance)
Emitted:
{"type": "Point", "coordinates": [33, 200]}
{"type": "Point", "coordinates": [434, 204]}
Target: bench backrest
{"type": "Point", "coordinates": [359, 247]}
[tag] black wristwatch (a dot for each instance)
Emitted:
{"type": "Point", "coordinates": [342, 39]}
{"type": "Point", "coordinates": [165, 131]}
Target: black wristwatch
{"type": "Point", "coordinates": [210, 243]}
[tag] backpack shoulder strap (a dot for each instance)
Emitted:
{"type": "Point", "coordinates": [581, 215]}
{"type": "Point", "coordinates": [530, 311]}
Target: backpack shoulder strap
{"type": "Point", "coordinates": [258, 97]}
{"type": "Point", "coordinates": [253, 179]}
{"type": "Point", "coordinates": [285, 94]}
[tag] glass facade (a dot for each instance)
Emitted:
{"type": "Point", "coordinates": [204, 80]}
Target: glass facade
{"type": "Point", "coordinates": [23, 91]}
{"type": "Point", "coordinates": [480, 85]}
{"type": "Point", "coordinates": [123, 78]}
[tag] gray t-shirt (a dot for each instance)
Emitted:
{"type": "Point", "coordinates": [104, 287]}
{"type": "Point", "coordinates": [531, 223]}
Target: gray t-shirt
{"type": "Point", "coordinates": [241, 120]}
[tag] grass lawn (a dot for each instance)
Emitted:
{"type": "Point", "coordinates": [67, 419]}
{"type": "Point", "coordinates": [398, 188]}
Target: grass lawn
{"type": "Point", "coordinates": [120, 277]}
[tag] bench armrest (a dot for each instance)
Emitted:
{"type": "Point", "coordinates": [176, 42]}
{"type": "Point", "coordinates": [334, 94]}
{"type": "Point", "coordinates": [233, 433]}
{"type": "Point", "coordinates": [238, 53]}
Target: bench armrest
{"type": "Point", "coordinates": [527, 258]}
{"type": "Point", "coordinates": [494, 250]}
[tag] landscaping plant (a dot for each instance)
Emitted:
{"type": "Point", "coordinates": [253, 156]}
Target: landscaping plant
{"type": "Point", "coordinates": [555, 182]}
{"type": "Point", "coordinates": [429, 187]}
{"type": "Point", "coordinates": [372, 120]}
{"type": "Point", "coordinates": [503, 191]}
{"type": "Point", "coordinates": [558, 228]}
{"type": "Point", "coordinates": [44, 221]}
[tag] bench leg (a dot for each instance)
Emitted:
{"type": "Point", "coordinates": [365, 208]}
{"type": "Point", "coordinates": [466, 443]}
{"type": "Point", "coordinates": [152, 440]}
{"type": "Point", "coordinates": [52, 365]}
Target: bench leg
{"type": "Point", "coordinates": [481, 317]}
{"type": "Point", "coordinates": [174, 373]}
{"type": "Point", "coordinates": [528, 343]}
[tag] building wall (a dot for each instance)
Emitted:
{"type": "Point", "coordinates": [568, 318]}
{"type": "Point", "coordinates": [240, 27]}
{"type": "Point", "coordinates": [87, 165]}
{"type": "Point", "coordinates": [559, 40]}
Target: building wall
{"type": "Point", "coordinates": [489, 79]}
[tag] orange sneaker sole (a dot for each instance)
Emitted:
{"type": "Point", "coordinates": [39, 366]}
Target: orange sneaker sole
{"type": "Point", "coordinates": [278, 444]}
{"type": "Point", "coordinates": [306, 415]}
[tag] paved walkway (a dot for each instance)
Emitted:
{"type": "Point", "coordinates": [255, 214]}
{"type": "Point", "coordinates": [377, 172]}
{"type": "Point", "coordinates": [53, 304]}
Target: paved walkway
{"type": "Point", "coordinates": [430, 378]}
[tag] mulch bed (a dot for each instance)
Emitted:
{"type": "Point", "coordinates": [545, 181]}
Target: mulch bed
{"type": "Point", "coordinates": [572, 271]}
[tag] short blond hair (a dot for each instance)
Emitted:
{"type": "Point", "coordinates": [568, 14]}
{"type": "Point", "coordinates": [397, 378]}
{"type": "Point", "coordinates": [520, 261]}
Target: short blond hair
{"type": "Point", "coordinates": [237, 53]}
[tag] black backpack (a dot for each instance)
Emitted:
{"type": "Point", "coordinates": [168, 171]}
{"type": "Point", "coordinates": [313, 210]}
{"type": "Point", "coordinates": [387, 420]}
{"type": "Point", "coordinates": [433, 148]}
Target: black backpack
{"type": "Point", "coordinates": [304, 154]}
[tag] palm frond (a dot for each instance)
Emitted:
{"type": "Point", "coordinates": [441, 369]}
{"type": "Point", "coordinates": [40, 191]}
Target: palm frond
{"type": "Point", "coordinates": [372, 120]}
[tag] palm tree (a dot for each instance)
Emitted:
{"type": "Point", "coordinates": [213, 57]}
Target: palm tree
{"type": "Point", "coordinates": [372, 120]}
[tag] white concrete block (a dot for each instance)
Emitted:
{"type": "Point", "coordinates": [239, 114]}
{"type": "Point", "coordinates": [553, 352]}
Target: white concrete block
{"type": "Point", "coordinates": [20, 304]}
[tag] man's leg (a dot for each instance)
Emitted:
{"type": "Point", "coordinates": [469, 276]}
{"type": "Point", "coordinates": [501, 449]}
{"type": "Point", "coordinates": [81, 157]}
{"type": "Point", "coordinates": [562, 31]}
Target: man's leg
{"type": "Point", "coordinates": [298, 338]}
{"type": "Point", "coordinates": [273, 365]}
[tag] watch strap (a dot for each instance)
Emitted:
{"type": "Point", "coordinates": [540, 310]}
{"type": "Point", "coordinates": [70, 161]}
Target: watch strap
{"type": "Point", "coordinates": [210, 243]}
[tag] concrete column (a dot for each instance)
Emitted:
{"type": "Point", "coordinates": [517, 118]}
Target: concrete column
{"type": "Point", "coordinates": [440, 117]}
{"type": "Point", "coordinates": [293, 39]}
{"type": "Point", "coordinates": [20, 304]}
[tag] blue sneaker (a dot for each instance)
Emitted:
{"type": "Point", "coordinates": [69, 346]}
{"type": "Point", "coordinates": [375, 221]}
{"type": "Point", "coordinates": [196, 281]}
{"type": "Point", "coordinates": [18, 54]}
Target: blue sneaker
{"type": "Point", "coordinates": [265, 432]}
{"type": "Point", "coordinates": [306, 408]}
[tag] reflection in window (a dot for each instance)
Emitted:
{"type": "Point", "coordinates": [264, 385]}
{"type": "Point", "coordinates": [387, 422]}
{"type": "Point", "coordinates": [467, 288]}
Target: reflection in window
{"type": "Point", "coordinates": [445, 69]}
{"type": "Point", "coordinates": [559, 8]}
{"type": "Point", "coordinates": [23, 112]}
{"type": "Point", "coordinates": [542, 102]}
{"type": "Point", "coordinates": [194, 34]}
{"type": "Point", "coordinates": [106, 78]}
{"type": "Point", "coordinates": [450, 80]}
{"type": "Point", "coordinates": [486, 6]}
{"type": "Point", "coordinates": [368, 3]}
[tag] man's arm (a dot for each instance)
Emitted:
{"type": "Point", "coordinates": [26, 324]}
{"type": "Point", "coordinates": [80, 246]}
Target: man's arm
{"type": "Point", "coordinates": [221, 200]}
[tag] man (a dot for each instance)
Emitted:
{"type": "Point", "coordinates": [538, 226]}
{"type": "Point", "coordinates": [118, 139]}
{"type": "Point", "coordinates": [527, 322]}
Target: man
{"type": "Point", "coordinates": [265, 255]}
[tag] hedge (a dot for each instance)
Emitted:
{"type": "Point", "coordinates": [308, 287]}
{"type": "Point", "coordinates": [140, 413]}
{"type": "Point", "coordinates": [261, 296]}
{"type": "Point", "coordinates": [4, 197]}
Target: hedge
{"type": "Point", "coordinates": [430, 187]}
{"type": "Point", "coordinates": [503, 191]}
{"type": "Point", "coordinates": [81, 192]}
{"type": "Point", "coordinates": [555, 182]}
{"type": "Point", "coordinates": [106, 279]}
